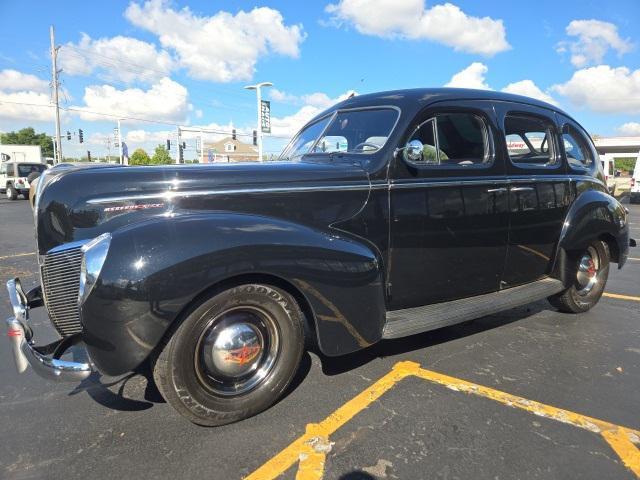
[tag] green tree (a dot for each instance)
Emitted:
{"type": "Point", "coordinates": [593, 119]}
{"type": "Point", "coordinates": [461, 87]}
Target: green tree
{"type": "Point", "coordinates": [28, 136]}
{"type": "Point", "coordinates": [161, 156]}
{"type": "Point", "coordinates": [139, 157]}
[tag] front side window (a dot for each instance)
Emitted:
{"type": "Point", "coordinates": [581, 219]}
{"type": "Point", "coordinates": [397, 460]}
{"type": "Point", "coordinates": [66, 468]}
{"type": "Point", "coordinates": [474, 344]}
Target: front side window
{"type": "Point", "coordinates": [529, 141]}
{"type": "Point", "coordinates": [453, 140]}
{"type": "Point", "coordinates": [362, 131]}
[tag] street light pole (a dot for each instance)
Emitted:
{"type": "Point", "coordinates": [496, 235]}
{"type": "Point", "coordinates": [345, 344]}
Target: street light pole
{"type": "Point", "coordinates": [257, 88]}
{"type": "Point", "coordinates": [120, 142]}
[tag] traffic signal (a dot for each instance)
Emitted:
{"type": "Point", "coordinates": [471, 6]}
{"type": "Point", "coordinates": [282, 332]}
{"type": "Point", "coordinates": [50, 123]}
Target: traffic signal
{"type": "Point", "coordinates": [255, 138]}
{"type": "Point", "coordinates": [233, 134]}
{"type": "Point", "coordinates": [68, 135]}
{"type": "Point", "coordinates": [180, 154]}
{"type": "Point", "coordinates": [184, 145]}
{"type": "Point", "coordinates": [80, 135]}
{"type": "Point", "coordinates": [168, 144]}
{"type": "Point", "coordinates": [88, 155]}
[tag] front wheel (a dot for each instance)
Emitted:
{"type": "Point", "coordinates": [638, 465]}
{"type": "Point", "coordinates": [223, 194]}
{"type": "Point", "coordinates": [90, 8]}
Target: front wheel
{"type": "Point", "coordinates": [591, 273]}
{"type": "Point", "coordinates": [232, 356]}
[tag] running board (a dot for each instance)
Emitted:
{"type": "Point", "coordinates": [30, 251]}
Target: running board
{"type": "Point", "coordinates": [409, 321]}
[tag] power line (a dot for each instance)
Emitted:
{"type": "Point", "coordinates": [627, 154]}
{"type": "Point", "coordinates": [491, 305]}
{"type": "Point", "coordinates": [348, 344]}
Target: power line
{"type": "Point", "coordinates": [137, 119]}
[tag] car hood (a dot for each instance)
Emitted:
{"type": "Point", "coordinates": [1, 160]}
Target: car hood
{"type": "Point", "coordinates": [76, 202]}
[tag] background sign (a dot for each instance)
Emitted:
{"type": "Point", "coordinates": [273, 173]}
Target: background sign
{"type": "Point", "coordinates": [265, 116]}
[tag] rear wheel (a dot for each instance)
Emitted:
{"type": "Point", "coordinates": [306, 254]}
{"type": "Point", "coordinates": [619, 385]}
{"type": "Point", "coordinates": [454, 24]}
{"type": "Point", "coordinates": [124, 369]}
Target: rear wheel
{"type": "Point", "coordinates": [591, 273]}
{"type": "Point", "coordinates": [232, 356]}
{"type": "Point", "coordinates": [12, 193]}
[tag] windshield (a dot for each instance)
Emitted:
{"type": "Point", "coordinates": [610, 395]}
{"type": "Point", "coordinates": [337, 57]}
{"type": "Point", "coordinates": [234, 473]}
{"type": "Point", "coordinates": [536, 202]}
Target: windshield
{"type": "Point", "coordinates": [25, 169]}
{"type": "Point", "coordinates": [353, 131]}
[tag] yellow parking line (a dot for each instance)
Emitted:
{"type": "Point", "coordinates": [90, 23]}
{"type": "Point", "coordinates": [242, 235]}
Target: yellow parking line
{"type": "Point", "coordinates": [299, 447]}
{"type": "Point", "coordinates": [621, 297]}
{"type": "Point", "coordinates": [310, 449]}
{"type": "Point", "coordinates": [17, 255]}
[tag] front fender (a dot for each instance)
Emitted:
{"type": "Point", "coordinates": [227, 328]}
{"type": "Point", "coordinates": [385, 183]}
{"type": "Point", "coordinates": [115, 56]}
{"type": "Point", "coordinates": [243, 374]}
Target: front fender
{"type": "Point", "coordinates": [155, 269]}
{"type": "Point", "coordinates": [593, 215]}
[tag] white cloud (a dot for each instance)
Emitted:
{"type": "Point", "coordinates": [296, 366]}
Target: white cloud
{"type": "Point", "coordinates": [15, 81]}
{"type": "Point", "coordinates": [411, 19]}
{"type": "Point", "coordinates": [594, 39]}
{"type": "Point", "coordinates": [630, 129]}
{"type": "Point", "coordinates": [163, 101]}
{"type": "Point", "coordinates": [529, 89]}
{"type": "Point", "coordinates": [471, 77]}
{"type": "Point", "coordinates": [318, 99]}
{"type": "Point", "coordinates": [313, 104]}
{"type": "Point", "coordinates": [117, 58]}
{"type": "Point", "coordinates": [223, 47]}
{"type": "Point", "coordinates": [474, 76]}
{"type": "Point", "coordinates": [603, 89]}
{"type": "Point", "coordinates": [136, 137]}
{"type": "Point", "coordinates": [25, 107]}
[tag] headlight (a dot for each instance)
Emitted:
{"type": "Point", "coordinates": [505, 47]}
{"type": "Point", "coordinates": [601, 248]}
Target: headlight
{"type": "Point", "coordinates": [94, 254]}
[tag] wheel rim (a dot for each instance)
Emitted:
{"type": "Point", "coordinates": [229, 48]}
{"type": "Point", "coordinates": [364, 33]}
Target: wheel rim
{"type": "Point", "coordinates": [587, 275]}
{"type": "Point", "coordinates": [237, 351]}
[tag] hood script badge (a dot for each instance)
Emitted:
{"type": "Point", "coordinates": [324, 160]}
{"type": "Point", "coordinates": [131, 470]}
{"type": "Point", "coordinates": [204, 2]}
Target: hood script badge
{"type": "Point", "coordinates": [141, 206]}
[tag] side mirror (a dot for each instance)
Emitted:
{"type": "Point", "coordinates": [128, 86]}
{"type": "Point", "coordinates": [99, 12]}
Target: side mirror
{"type": "Point", "coordinates": [412, 151]}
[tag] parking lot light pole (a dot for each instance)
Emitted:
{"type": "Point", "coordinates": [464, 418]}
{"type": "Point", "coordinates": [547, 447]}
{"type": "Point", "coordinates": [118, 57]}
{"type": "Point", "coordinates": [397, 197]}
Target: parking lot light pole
{"type": "Point", "coordinates": [257, 88]}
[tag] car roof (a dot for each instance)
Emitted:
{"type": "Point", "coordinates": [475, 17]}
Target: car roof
{"type": "Point", "coordinates": [414, 99]}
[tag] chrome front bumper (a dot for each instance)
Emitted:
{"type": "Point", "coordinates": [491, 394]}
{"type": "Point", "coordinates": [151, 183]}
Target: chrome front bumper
{"type": "Point", "coordinates": [44, 360]}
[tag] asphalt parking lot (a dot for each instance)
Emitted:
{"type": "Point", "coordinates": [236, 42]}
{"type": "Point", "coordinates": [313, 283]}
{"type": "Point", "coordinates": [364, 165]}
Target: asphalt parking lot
{"type": "Point", "coordinates": [528, 393]}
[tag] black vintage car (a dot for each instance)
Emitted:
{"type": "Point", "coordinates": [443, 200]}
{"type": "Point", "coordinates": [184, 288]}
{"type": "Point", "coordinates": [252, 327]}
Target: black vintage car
{"type": "Point", "coordinates": [388, 215]}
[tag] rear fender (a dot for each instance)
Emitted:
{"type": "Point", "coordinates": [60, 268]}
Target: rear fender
{"type": "Point", "coordinates": [594, 215]}
{"type": "Point", "coordinates": [156, 268]}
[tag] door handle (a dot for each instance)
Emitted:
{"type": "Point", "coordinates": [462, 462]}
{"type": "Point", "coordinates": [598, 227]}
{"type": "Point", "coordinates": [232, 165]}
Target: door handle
{"type": "Point", "coordinates": [497, 190]}
{"type": "Point", "coordinates": [521, 189]}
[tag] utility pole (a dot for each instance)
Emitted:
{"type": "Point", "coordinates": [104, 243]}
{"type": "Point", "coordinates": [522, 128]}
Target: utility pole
{"type": "Point", "coordinates": [257, 88]}
{"type": "Point", "coordinates": [54, 77]}
{"type": "Point", "coordinates": [179, 146]}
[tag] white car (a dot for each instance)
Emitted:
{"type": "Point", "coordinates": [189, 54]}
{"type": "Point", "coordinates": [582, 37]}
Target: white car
{"type": "Point", "coordinates": [13, 178]}
{"type": "Point", "coordinates": [635, 183]}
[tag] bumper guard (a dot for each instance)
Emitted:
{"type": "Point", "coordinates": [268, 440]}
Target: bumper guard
{"type": "Point", "coordinates": [44, 360]}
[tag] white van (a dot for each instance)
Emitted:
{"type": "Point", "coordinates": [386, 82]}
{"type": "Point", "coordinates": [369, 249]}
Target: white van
{"type": "Point", "coordinates": [635, 182]}
{"type": "Point", "coordinates": [608, 165]}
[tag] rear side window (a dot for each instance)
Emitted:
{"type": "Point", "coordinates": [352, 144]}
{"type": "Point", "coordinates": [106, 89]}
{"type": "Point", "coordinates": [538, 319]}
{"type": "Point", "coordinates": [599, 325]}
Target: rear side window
{"type": "Point", "coordinates": [453, 140]}
{"type": "Point", "coordinates": [10, 170]}
{"type": "Point", "coordinates": [575, 147]}
{"type": "Point", "coordinates": [530, 141]}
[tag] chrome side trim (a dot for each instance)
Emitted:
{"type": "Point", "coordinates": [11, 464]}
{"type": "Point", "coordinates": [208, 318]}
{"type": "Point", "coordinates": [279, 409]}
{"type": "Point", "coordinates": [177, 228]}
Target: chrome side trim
{"type": "Point", "coordinates": [169, 195]}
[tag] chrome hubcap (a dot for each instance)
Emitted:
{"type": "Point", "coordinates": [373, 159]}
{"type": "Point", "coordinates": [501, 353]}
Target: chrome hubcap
{"type": "Point", "coordinates": [237, 351]}
{"type": "Point", "coordinates": [587, 276]}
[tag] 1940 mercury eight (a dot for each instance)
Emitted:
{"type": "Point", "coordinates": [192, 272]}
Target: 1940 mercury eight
{"type": "Point", "coordinates": [388, 215]}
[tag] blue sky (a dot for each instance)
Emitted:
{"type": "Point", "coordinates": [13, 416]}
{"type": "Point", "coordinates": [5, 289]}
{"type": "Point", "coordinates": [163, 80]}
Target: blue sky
{"type": "Point", "coordinates": [186, 62]}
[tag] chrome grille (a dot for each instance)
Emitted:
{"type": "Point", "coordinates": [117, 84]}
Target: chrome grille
{"type": "Point", "coordinates": [60, 285]}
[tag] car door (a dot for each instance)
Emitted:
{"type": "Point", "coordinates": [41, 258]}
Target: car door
{"type": "Point", "coordinates": [448, 204]}
{"type": "Point", "coordinates": [539, 191]}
